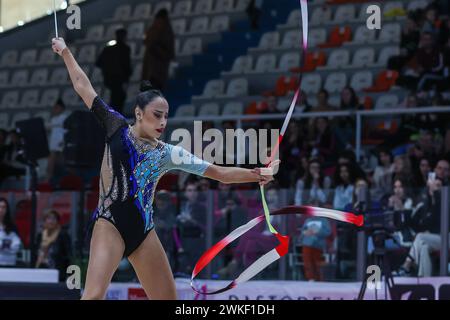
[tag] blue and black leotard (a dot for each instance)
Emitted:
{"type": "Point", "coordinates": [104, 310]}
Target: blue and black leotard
{"type": "Point", "coordinates": [130, 171]}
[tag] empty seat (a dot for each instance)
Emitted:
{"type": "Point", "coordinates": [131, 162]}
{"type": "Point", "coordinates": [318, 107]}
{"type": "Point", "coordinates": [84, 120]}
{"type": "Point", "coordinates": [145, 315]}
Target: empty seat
{"type": "Point", "coordinates": [364, 35]}
{"type": "Point", "coordinates": [87, 54]}
{"type": "Point", "coordinates": [19, 116]}
{"type": "Point", "coordinates": [162, 5]}
{"type": "Point", "coordinates": [242, 64]}
{"type": "Point", "coordinates": [241, 5]}
{"type": "Point", "coordinates": [363, 57]}
{"type": "Point", "coordinates": [292, 39]}
{"type": "Point", "coordinates": [344, 13]}
{"type": "Point", "coordinates": [4, 120]}
{"type": "Point", "coordinates": [361, 80]}
{"type": "Point", "coordinates": [30, 99]}
{"type": "Point", "coordinates": [237, 87]}
{"type": "Point", "coordinates": [19, 78]}
{"type": "Point", "coordinates": [28, 57]}
{"type": "Point", "coordinates": [213, 88]}
{"type": "Point", "coordinates": [9, 58]}
{"type": "Point", "coordinates": [311, 83]}
{"type": "Point", "coordinates": [209, 109]}
{"type": "Point", "coordinates": [338, 59]}
{"type": "Point", "coordinates": [220, 24]}
{"type": "Point", "coordinates": [317, 36]}
{"type": "Point", "coordinates": [269, 40]}
{"type": "Point", "coordinates": [136, 30]}
{"type": "Point", "coordinates": [289, 61]}
{"type": "Point", "coordinates": [199, 25]}
{"type": "Point", "coordinates": [122, 12]}
{"type": "Point", "coordinates": [386, 53]}
{"type": "Point", "coordinates": [192, 46]}
{"type": "Point", "coordinates": [224, 6]}
{"type": "Point", "coordinates": [47, 56]}
{"type": "Point", "coordinates": [10, 100]}
{"type": "Point", "coordinates": [39, 77]}
{"type": "Point", "coordinates": [266, 63]}
{"type": "Point", "coordinates": [390, 32]}
{"type": "Point", "coordinates": [294, 18]}
{"type": "Point", "coordinates": [95, 33]}
{"type": "Point", "coordinates": [179, 26]}
{"type": "Point", "coordinates": [320, 15]}
{"type": "Point", "coordinates": [49, 98]}
{"type": "Point", "coordinates": [388, 101]}
{"type": "Point", "coordinates": [182, 8]}
{"type": "Point", "coordinates": [59, 76]}
{"type": "Point", "coordinates": [70, 97]}
{"type": "Point", "coordinates": [203, 7]}
{"type": "Point", "coordinates": [233, 108]}
{"type": "Point", "coordinates": [335, 82]}
{"type": "Point", "coordinates": [186, 110]}
{"type": "Point", "coordinates": [143, 11]}
{"type": "Point", "coordinates": [363, 15]}
{"type": "Point", "coordinates": [4, 79]}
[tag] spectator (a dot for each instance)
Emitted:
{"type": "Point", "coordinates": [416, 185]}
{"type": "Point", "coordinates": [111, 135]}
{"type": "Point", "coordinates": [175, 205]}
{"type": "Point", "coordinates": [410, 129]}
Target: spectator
{"type": "Point", "coordinates": [430, 62]}
{"type": "Point", "coordinates": [442, 171]}
{"type": "Point", "coordinates": [382, 176]}
{"type": "Point", "coordinates": [9, 240]}
{"type": "Point", "coordinates": [323, 141]}
{"type": "Point", "coordinates": [165, 222]}
{"type": "Point", "coordinates": [314, 232]}
{"type": "Point", "coordinates": [408, 45]}
{"type": "Point", "coordinates": [322, 102]}
{"type": "Point", "coordinates": [115, 63]}
{"type": "Point", "coordinates": [429, 239]}
{"type": "Point", "coordinates": [421, 173]}
{"type": "Point", "coordinates": [314, 188]}
{"type": "Point", "coordinates": [348, 157]}
{"type": "Point", "coordinates": [56, 143]}
{"type": "Point", "coordinates": [159, 50]}
{"type": "Point", "coordinates": [54, 245]}
{"type": "Point", "coordinates": [431, 23]}
{"type": "Point", "coordinates": [349, 99]}
{"type": "Point", "coordinates": [302, 103]}
{"type": "Point", "coordinates": [271, 108]}
{"type": "Point", "coordinates": [254, 13]}
{"type": "Point", "coordinates": [400, 199]}
{"type": "Point", "coordinates": [344, 184]}
{"type": "Point", "coordinates": [402, 168]}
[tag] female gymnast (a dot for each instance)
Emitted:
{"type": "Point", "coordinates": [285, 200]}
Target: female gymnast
{"type": "Point", "coordinates": [134, 160]}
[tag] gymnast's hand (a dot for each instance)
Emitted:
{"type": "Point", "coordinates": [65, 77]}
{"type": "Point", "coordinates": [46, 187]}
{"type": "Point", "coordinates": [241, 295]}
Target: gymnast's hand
{"type": "Point", "coordinates": [266, 174]}
{"type": "Point", "coordinates": [58, 45]}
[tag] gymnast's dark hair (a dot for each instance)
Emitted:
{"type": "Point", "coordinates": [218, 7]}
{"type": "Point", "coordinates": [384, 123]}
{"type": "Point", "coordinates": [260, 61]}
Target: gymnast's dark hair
{"type": "Point", "coordinates": [148, 94]}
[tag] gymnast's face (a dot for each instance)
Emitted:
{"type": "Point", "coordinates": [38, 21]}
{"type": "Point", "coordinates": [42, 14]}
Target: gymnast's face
{"type": "Point", "coordinates": [153, 119]}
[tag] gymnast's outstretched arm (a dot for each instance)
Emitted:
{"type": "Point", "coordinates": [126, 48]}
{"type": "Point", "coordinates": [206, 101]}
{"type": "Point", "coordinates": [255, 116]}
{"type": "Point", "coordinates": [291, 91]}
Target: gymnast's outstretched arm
{"type": "Point", "coordinates": [80, 81]}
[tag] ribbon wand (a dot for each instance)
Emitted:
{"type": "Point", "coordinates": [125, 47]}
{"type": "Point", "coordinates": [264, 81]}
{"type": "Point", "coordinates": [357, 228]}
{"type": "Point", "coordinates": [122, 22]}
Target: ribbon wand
{"type": "Point", "coordinates": [56, 21]}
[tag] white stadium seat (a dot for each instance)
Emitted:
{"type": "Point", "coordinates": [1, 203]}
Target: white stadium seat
{"type": "Point", "coordinates": [182, 8]}
{"type": "Point", "coordinates": [110, 33]}
{"type": "Point", "coordinates": [96, 76]}
{"type": "Point", "coordinates": [162, 5]}
{"type": "Point", "coordinates": [417, 4]}
{"type": "Point", "coordinates": [186, 110]}
{"type": "Point", "coordinates": [4, 121]}
{"type": "Point", "coordinates": [199, 25]}
{"type": "Point", "coordinates": [320, 15]}
{"type": "Point", "coordinates": [30, 99]}
{"type": "Point", "coordinates": [363, 57]}
{"type": "Point", "coordinates": [10, 100]}
{"type": "Point", "coordinates": [4, 79]}
{"type": "Point", "coordinates": [388, 101]}
{"type": "Point", "coordinates": [137, 72]}
{"type": "Point", "coordinates": [19, 78]}
{"type": "Point", "coordinates": [317, 36]}
{"type": "Point", "coordinates": [292, 39]}
{"type": "Point", "coordinates": [87, 54]}
{"type": "Point", "coordinates": [9, 58]}
{"type": "Point", "coordinates": [390, 33]}
{"type": "Point", "coordinates": [364, 35]}
{"type": "Point", "coordinates": [312, 83]}
{"type": "Point", "coordinates": [59, 76]}
{"type": "Point", "coordinates": [95, 33]}
{"type": "Point", "coordinates": [361, 80]}
{"type": "Point", "coordinates": [49, 98]}
{"type": "Point", "coordinates": [28, 57]}
{"type": "Point", "coordinates": [224, 6]}
{"type": "Point", "coordinates": [47, 56]}
{"type": "Point", "coordinates": [179, 26]}
{"type": "Point", "coordinates": [213, 88]}
{"type": "Point", "coordinates": [209, 109]}
{"type": "Point", "coordinates": [136, 31]}
{"type": "Point", "coordinates": [237, 87]}
{"type": "Point", "coordinates": [143, 11]}
{"type": "Point", "coordinates": [294, 18]}
{"type": "Point", "coordinates": [266, 63]}
{"type": "Point", "coordinates": [242, 64]}
{"type": "Point", "coordinates": [203, 7]}
{"type": "Point", "coordinates": [122, 13]}
{"type": "Point", "coordinates": [220, 24]}
{"type": "Point", "coordinates": [269, 40]}
{"type": "Point", "coordinates": [288, 61]}
{"type": "Point", "coordinates": [344, 13]}
{"type": "Point", "coordinates": [39, 77]}
{"type": "Point", "coordinates": [335, 82]}
{"type": "Point", "coordinates": [241, 5]}
{"type": "Point", "coordinates": [338, 58]}
{"type": "Point", "coordinates": [233, 108]}
{"type": "Point", "coordinates": [192, 46]}
{"type": "Point", "coordinates": [386, 53]}
{"type": "Point", "coordinates": [70, 97]}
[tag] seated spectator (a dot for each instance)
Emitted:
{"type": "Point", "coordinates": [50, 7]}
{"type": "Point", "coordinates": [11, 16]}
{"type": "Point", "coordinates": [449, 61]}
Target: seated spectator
{"type": "Point", "coordinates": [54, 245]}
{"type": "Point", "coordinates": [314, 188]}
{"type": "Point", "coordinates": [302, 103]}
{"type": "Point", "coordinates": [349, 99]}
{"type": "Point", "coordinates": [322, 141]}
{"type": "Point", "coordinates": [429, 239]}
{"type": "Point", "coordinates": [408, 45]}
{"type": "Point", "coordinates": [348, 157]}
{"type": "Point", "coordinates": [344, 180]}
{"type": "Point", "coordinates": [442, 171]}
{"type": "Point", "coordinates": [382, 176]}
{"type": "Point", "coordinates": [164, 219]}
{"type": "Point", "coordinates": [402, 169]}
{"type": "Point", "coordinates": [400, 199]}
{"type": "Point", "coordinates": [9, 240]}
{"type": "Point", "coordinates": [430, 63]}
{"type": "Point", "coordinates": [322, 102]}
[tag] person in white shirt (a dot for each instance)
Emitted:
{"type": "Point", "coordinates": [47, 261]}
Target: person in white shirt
{"type": "Point", "coordinates": [10, 242]}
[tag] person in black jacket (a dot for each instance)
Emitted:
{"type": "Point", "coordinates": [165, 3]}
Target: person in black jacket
{"type": "Point", "coordinates": [115, 63]}
{"type": "Point", "coordinates": [54, 245]}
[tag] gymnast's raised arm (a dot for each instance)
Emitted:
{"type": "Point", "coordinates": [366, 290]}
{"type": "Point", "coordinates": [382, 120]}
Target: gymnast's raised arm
{"type": "Point", "coordinates": [80, 81]}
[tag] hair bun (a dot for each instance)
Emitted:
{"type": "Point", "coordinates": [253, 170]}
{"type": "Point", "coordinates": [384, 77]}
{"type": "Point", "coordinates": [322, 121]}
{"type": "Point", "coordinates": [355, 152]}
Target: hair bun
{"type": "Point", "coordinates": [146, 86]}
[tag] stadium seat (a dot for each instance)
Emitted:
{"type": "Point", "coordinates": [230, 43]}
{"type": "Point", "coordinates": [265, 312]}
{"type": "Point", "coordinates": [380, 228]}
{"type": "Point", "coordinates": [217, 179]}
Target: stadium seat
{"type": "Point", "coordinates": [143, 11]}
{"type": "Point", "coordinates": [312, 61]}
{"type": "Point", "coordinates": [312, 83]}
{"type": "Point", "coordinates": [39, 77]}
{"type": "Point", "coordinates": [233, 108]}
{"type": "Point", "coordinates": [49, 98]}
{"type": "Point", "coordinates": [28, 57]}
{"type": "Point", "coordinates": [361, 80]}
{"type": "Point", "coordinates": [179, 26]}
{"type": "Point", "coordinates": [162, 5]}
{"type": "Point", "coordinates": [283, 104]}
{"type": "Point", "coordinates": [95, 33]}
{"type": "Point", "coordinates": [4, 79]}
{"type": "Point", "coordinates": [219, 24]}
{"type": "Point", "coordinates": [294, 18]}
{"type": "Point", "coordinates": [316, 37]}
{"type": "Point", "coordinates": [122, 13]}
{"type": "Point", "coordinates": [390, 33]}
{"type": "Point", "coordinates": [269, 40]}
{"type": "Point", "coordinates": [284, 85]}
{"type": "Point", "coordinates": [87, 54]}
{"type": "Point", "coordinates": [186, 110]}
{"type": "Point", "coordinates": [291, 39]}
{"type": "Point", "coordinates": [9, 58]}
{"type": "Point", "coordinates": [289, 61]}
{"type": "Point", "coordinates": [70, 97]}
{"type": "Point", "coordinates": [10, 99]}
{"type": "Point", "coordinates": [344, 13]}
{"type": "Point", "coordinates": [241, 5]}
{"type": "Point", "coordinates": [363, 58]}
{"type": "Point", "coordinates": [192, 46]}
{"type": "Point", "coordinates": [339, 58]}
{"type": "Point", "coordinates": [338, 36]}
{"type": "Point", "coordinates": [209, 109]}
{"type": "Point", "coordinates": [335, 82]}
{"type": "Point", "coordinates": [320, 15]}
{"type": "Point", "coordinates": [237, 87]}
{"type": "Point", "coordinates": [136, 31]}
{"type": "Point", "coordinates": [213, 88]}
{"type": "Point", "coordinates": [4, 120]}
{"type": "Point", "coordinates": [59, 76]}
{"type": "Point", "coordinates": [242, 64]}
{"type": "Point", "coordinates": [96, 76]}
{"type": "Point", "coordinates": [19, 116]}
{"type": "Point", "coordinates": [384, 82]}
{"type": "Point", "coordinates": [46, 57]}
{"type": "Point", "coordinates": [182, 8]}
{"type": "Point", "coordinates": [364, 35]}
{"type": "Point", "coordinates": [223, 6]}
{"type": "Point", "coordinates": [418, 4]}
{"type": "Point", "coordinates": [199, 25]}
{"type": "Point", "coordinates": [363, 15]}
{"type": "Point", "coordinates": [19, 78]}
{"type": "Point", "coordinates": [137, 72]}
{"type": "Point", "coordinates": [385, 54]}
{"type": "Point", "coordinates": [266, 63]}
{"type": "Point", "coordinates": [203, 7]}
{"type": "Point", "coordinates": [30, 99]}
{"type": "Point", "coordinates": [388, 101]}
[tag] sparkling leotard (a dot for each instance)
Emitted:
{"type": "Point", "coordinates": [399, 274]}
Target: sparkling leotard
{"type": "Point", "coordinates": [130, 171]}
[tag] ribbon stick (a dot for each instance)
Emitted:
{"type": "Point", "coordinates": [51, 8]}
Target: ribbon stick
{"type": "Point", "coordinates": [56, 21]}
{"type": "Point", "coordinates": [273, 255]}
